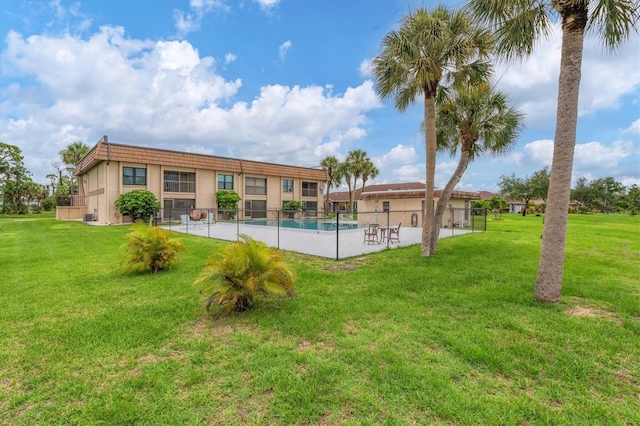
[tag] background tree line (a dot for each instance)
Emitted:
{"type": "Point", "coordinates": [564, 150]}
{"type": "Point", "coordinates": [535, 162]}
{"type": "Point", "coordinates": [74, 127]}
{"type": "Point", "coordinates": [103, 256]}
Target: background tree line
{"type": "Point", "coordinates": [19, 192]}
{"type": "Point", "coordinates": [601, 195]}
{"type": "Point", "coordinates": [606, 195]}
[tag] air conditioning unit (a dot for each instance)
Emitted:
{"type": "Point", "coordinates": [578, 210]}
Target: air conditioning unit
{"type": "Point", "coordinates": [88, 217]}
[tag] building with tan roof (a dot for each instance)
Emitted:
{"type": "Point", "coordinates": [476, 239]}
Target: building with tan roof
{"type": "Point", "coordinates": [402, 203]}
{"type": "Point", "coordinates": [183, 181]}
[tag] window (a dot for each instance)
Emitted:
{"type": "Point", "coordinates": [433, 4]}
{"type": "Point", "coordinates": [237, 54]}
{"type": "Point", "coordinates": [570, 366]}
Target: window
{"type": "Point", "coordinates": [175, 207]}
{"type": "Point", "coordinates": [255, 186]}
{"type": "Point", "coordinates": [179, 182]}
{"type": "Point", "coordinates": [309, 189]}
{"type": "Point", "coordinates": [134, 176]}
{"type": "Point", "coordinates": [255, 209]}
{"type": "Point", "coordinates": [225, 181]}
{"type": "Point", "coordinates": [287, 185]}
{"type": "Point", "coordinates": [310, 208]}
{"type": "Point", "coordinates": [385, 206]}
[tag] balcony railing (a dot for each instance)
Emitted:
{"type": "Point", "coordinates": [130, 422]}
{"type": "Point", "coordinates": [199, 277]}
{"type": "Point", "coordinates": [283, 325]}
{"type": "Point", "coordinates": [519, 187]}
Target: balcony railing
{"type": "Point", "coordinates": [72, 200]}
{"type": "Point", "coordinates": [170, 186]}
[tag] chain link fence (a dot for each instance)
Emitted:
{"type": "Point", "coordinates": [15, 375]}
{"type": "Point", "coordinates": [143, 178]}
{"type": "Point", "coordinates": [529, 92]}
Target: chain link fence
{"type": "Point", "coordinates": [334, 235]}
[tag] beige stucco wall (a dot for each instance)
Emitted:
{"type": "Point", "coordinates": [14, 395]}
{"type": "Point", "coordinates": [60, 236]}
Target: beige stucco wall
{"type": "Point", "coordinates": [103, 184]}
{"type": "Point", "coordinates": [408, 212]}
{"type": "Point", "coordinates": [91, 185]}
{"type": "Point", "coordinates": [154, 179]}
{"type": "Point", "coordinates": [206, 182]}
{"type": "Point", "coordinates": [70, 213]}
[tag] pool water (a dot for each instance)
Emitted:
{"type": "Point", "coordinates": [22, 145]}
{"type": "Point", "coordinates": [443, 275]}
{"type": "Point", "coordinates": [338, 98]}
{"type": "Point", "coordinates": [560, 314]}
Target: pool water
{"type": "Point", "coordinates": [303, 224]}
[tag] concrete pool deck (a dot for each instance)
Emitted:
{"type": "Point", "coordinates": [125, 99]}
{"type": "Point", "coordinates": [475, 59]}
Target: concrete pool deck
{"type": "Point", "coordinates": [316, 243]}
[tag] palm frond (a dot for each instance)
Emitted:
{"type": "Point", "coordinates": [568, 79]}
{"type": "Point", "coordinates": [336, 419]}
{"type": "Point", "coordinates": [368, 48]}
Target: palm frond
{"type": "Point", "coordinates": [478, 118]}
{"type": "Point", "coordinates": [238, 272]}
{"type": "Point", "coordinates": [151, 248]}
{"type": "Point", "coordinates": [516, 24]}
{"type": "Point", "coordinates": [614, 20]}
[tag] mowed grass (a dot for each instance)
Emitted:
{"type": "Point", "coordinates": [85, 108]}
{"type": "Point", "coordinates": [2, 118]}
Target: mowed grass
{"type": "Point", "coordinates": [389, 338]}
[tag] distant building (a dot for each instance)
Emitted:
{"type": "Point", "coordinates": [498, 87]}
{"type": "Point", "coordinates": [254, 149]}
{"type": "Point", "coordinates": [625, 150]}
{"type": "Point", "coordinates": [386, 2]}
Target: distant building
{"type": "Point", "coordinates": [405, 203]}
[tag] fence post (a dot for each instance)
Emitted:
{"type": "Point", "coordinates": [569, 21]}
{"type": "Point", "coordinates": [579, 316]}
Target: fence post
{"type": "Point", "coordinates": [453, 220]}
{"type": "Point", "coordinates": [388, 225]}
{"type": "Point", "coordinates": [337, 236]}
{"type": "Point", "coordinates": [278, 223]}
{"type": "Point", "coordinates": [485, 219]}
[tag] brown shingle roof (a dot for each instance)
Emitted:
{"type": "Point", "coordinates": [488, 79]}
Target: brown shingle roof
{"type": "Point", "coordinates": [396, 191]}
{"type": "Point", "coordinates": [344, 196]}
{"type": "Point", "coordinates": [115, 152]}
{"type": "Point", "coordinates": [485, 195]}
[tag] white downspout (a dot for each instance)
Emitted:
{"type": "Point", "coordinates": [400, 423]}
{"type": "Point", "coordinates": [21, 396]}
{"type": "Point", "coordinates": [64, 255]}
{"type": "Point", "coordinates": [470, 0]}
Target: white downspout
{"type": "Point", "coordinates": [108, 195]}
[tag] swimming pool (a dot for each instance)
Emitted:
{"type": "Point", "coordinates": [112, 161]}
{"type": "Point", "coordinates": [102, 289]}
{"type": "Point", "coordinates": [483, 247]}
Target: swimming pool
{"type": "Point", "coordinates": [321, 225]}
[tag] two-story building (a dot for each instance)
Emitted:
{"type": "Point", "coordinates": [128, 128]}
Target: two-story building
{"type": "Point", "coordinates": [183, 181]}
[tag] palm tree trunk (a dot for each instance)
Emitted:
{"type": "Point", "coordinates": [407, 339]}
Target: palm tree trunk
{"type": "Point", "coordinates": [350, 195]}
{"type": "Point", "coordinates": [430, 142]}
{"type": "Point", "coordinates": [326, 200]}
{"type": "Point", "coordinates": [552, 252]}
{"type": "Point", "coordinates": [463, 163]}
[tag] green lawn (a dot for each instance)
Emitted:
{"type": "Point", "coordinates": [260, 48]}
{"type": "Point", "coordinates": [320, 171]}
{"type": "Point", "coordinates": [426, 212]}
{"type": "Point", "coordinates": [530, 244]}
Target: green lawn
{"type": "Point", "coordinates": [390, 338]}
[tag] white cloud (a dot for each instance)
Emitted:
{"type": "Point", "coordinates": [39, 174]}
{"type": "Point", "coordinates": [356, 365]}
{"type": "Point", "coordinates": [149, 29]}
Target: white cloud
{"type": "Point", "coordinates": [618, 158]}
{"type": "Point", "coordinates": [512, 158]}
{"type": "Point", "coordinates": [267, 5]}
{"type": "Point", "coordinates": [187, 22]}
{"type": "Point", "coordinates": [444, 171]}
{"type": "Point", "coordinates": [365, 69]}
{"type": "Point", "coordinates": [164, 94]}
{"type": "Point", "coordinates": [606, 78]}
{"type": "Point", "coordinates": [597, 156]}
{"type": "Point", "coordinates": [64, 19]}
{"type": "Point", "coordinates": [634, 129]}
{"type": "Point", "coordinates": [327, 149]}
{"type": "Point", "coordinates": [628, 181]}
{"type": "Point", "coordinates": [399, 155]}
{"type": "Point", "coordinates": [409, 173]}
{"type": "Point", "coordinates": [447, 166]}
{"type": "Point", "coordinates": [538, 153]}
{"type": "Point", "coordinates": [282, 50]}
{"type": "Point", "coordinates": [229, 57]}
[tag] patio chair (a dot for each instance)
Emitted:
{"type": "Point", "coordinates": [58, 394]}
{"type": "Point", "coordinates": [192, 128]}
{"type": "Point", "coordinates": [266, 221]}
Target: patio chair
{"type": "Point", "coordinates": [186, 221]}
{"type": "Point", "coordinates": [394, 233]}
{"type": "Point", "coordinates": [209, 219]}
{"type": "Point", "coordinates": [371, 234]}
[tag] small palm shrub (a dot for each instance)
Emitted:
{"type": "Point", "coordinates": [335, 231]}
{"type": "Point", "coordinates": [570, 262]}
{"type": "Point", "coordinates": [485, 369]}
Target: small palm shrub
{"type": "Point", "coordinates": [151, 247]}
{"type": "Point", "coordinates": [238, 272]}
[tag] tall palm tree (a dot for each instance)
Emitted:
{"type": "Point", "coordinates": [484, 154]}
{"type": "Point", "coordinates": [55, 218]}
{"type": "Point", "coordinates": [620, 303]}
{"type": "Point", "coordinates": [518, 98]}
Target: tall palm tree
{"type": "Point", "coordinates": [71, 156]}
{"type": "Point", "coordinates": [429, 48]}
{"type": "Point", "coordinates": [53, 178]}
{"type": "Point", "coordinates": [343, 172]}
{"type": "Point", "coordinates": [73, 153]}
{"type": "Point", "coordinates": [330, 166]}
{"type": "Point", "coordinates": [474, 120]}
{"type": "Point", "coordinates": [369, 171]}
{"type": "Point", "coordinates": [519, 24]}
{"type": "Point", "coordinates": [355, 163]}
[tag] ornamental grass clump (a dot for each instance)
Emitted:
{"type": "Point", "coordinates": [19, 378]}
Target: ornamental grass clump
{"type": "Point", "coordinates": [151, 247]}
{"type": "Point", "coordinates": [238, 272]}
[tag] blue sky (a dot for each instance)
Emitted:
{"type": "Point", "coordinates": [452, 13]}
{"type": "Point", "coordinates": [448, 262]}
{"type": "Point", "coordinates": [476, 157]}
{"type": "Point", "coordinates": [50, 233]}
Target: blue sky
{"type": "Point", "coordinates": [284, 81]}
